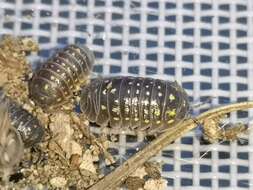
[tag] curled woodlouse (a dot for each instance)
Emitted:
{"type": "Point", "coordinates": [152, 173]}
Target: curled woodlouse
{"type": "Point", "coordinates": [27, 125]}
{"type": "Point", "coordinates": [135, 102]}
{"type": "Point", "coordinates": [54, 83]}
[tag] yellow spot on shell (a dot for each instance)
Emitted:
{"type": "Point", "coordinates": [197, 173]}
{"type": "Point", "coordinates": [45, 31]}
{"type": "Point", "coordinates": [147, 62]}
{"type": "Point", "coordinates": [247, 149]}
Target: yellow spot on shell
{"type": "Point", "coordinates": [172, 97]}
{"type": "Point", "coordinates": [116, 109]}
{"type": "Point", "coordinates": [136, 119]}
{"type": "Point", "coordinates": [59, 99]}
{"type": "Point", "coordinates": [171, 113]}
{"type": "Point", "coordinates": [103, 107]}
{"type": "Point", "coordinates": [170, 121]}
{"type": "Point", "coordinates": [113, 90]}
{"type": "Point", "coordinates": [158, 122]}
{"type": "Point", "coordinates": [146, 121]}
{"type": "Point", "coordinates": [46, 87]}
{"type": "Point", "coordinates": [157, 112]}
{"type": "Point", "coordinates": [109, 85]}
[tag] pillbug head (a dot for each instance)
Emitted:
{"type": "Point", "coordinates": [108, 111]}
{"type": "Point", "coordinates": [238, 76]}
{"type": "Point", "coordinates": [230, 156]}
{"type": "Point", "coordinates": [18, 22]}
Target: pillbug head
{"type": "Point", "coordinates": [183, 102]}
{"type": "Point", "coordinates": [54, 83]}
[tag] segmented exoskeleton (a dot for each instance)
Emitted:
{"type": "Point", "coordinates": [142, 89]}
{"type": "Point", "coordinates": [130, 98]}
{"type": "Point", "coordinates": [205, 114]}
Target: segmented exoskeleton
{"type": "Point", "coordinates": [135, 102]}
{"type": "Point", "coordinates": [11, 145]}
{"type": "Point", "coordinates": [27, 125]}
{"type": "Point", "coordinates": [55, 82]}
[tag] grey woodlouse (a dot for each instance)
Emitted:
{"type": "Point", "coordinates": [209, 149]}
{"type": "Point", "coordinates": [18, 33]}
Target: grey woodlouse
{"type": "Point", "coordinates": [60, 76]}
{"type": "Point", "coordinates": [135, 102]}
{"type": "Point", "coordinates": [28, 126]}
{"type": "Point", "coordinates": [11, 145]}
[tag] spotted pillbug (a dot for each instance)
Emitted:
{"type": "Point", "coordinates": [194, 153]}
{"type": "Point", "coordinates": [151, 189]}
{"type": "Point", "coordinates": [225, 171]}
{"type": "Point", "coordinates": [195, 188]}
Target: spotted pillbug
{"type": "Point", "coordinates": [11, 144]}
{"type": "Point", "coordinates": [135, 102]}
{"type": "Point", "coordinates": [28, 126]}
{"type": "Point", "coordinates": [54, 84]}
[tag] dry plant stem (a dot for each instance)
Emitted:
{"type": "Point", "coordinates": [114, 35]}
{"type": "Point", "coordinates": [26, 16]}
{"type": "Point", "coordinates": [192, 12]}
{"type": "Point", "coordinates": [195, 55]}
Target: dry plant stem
{"type": "Point", "coordinates": [119, 175]}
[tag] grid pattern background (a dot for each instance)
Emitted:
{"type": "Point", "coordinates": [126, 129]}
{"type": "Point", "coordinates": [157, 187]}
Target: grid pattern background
{"type": "Point", "coordinates": [206, 45]}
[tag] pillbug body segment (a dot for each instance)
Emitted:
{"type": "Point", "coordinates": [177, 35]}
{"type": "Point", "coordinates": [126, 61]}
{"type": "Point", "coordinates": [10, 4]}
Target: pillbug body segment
{"type": "Point", "coordinates": [139, 103]}
{"type": "Point", "coordinates": [11, 144]}
{"type": "Point", "coordinates": [28, 126]}
{"type": "Point", "coordinates": [60, 76]}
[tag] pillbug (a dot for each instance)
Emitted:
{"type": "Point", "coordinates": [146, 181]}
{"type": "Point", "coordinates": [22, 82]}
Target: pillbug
{"type": "Point", "coordinates": [11, 145]}
{"type": "Point", "coordinates": [135, 102]}
{"type": "Point", "coordinates": [54, 83]}
{"type": "Point", "coordinates": [27, 125]}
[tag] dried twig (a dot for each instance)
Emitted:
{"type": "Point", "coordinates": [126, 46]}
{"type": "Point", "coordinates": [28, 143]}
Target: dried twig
{"type": "Point", "coordinates": [119, 175]}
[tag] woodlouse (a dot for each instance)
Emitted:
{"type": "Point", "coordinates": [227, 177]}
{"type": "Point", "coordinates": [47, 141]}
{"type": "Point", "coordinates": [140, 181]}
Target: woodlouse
{"type": "Point", "coordinates": [135, 102]}
{"type": "Point", "coordinates": [60, 76]}
{"type": "Point", "coordinates": [11, 145]}
{"type": "Point", "coordinates": [28, 126]}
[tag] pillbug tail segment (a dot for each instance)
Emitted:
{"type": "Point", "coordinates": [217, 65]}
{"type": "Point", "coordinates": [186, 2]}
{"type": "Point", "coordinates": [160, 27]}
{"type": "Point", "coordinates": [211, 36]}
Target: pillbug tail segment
{"type": "Point", "coordinates": [185, 106]}
{"type": "Point", "coordinates": [89, 54]}
{"type": "Point", "coordinates": [86, 51]}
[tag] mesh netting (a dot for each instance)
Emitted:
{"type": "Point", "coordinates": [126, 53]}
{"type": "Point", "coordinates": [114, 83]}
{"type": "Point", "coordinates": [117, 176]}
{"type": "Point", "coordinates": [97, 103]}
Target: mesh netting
{"type": "Point", "coordinates": [206, 45]}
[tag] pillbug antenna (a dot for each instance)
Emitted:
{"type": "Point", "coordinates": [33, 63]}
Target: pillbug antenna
{"type": "Point", "coordinates": [196, 105]}
{"type": "Point", "coordinates": [199, 104]}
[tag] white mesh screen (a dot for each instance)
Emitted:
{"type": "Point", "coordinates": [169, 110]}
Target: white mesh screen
{"type": "Point", "coordinates": [206, 45]}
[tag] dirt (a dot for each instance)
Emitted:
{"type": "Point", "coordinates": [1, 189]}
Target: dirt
{"type": "Point", "coordinates": [69, 156]}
